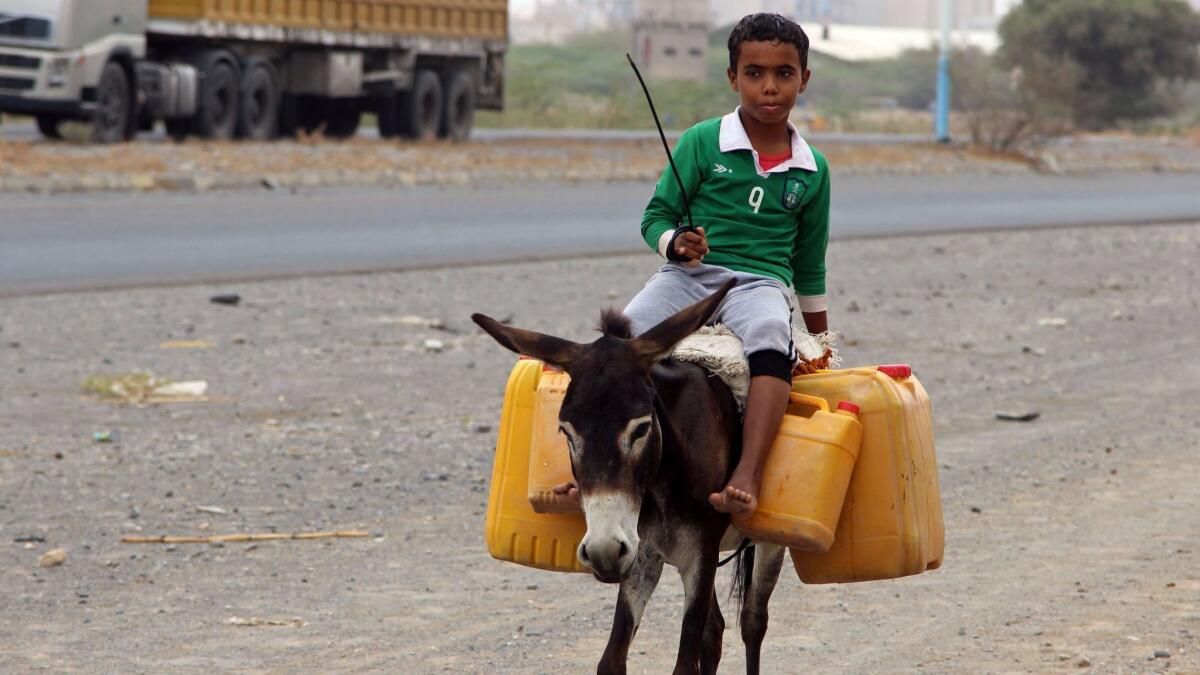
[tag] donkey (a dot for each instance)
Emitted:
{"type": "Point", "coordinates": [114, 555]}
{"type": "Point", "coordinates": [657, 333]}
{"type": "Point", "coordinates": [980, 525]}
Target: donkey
{"type": "Point", "coordinates": [650, 439]}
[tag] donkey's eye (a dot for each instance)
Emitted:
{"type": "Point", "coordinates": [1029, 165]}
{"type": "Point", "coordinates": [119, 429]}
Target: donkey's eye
{"type": "Point", "coordinates": [641, 430]}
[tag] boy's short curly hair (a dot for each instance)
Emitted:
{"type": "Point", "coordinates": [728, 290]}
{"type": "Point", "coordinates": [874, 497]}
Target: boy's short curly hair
{"type": "Point", "coordinates": [767, 27]}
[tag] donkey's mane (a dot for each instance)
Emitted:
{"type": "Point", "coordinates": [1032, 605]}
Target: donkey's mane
{"type": "Point", "coordinates": [615, 324]}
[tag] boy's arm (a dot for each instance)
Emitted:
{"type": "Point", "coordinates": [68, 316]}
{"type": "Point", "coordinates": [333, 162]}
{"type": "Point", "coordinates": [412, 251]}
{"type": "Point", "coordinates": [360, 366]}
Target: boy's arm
{"type": "Point", "coordinates": [808, 257]}
{"type": "Point", "coordinates": [665, 210]}
{"type": "Point", "coordinates": [816, 322]}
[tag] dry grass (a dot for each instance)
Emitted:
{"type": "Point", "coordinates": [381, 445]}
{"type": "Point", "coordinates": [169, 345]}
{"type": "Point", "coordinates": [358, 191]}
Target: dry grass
{"type": "Point", "coordinates": [512, 158]}
{"type": "Point", "coordinates": [134, 386]}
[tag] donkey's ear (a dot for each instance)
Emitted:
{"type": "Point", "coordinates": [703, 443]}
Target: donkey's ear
{"type": "Point", "coordinates": [657, 343]}
{"type": "Point", "coordinates": [555, 351]}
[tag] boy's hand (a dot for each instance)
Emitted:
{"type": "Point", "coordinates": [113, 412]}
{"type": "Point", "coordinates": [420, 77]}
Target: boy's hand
{"type": "Point", "coordinates": [693, 245]}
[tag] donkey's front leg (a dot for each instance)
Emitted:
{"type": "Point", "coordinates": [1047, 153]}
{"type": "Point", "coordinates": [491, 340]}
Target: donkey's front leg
{"type": "Point", "coordinates": [631, 603]}
{"type": "Point", "coordinates": [699, 576]}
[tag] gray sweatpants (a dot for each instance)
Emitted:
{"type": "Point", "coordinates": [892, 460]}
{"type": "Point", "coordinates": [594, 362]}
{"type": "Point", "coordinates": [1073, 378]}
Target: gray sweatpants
{"type": "Point", "coordinates": [758, 309]}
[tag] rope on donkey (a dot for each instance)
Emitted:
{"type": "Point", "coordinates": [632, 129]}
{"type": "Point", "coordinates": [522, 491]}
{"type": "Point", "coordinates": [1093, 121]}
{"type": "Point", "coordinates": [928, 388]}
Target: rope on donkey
{"type": "Point", "coordinates": [741, 547]}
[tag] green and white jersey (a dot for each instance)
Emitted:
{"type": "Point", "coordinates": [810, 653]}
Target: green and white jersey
{"type": "Point", "coordinates": [773, 223]}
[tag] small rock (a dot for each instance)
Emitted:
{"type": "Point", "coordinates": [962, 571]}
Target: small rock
{"type": "Point", "coordinates": [1162, 654]}
{"type": "Point", "coordinates": [482, 428]}
{"type": "Point", "coordinates": [440, 477]}
{"type": "Point", "coordinates": [226, 299]}
{"type": "Point", "coordinates": [1084, 662]}
{"type": "Point", "coordinates": [531, 587]}
{"type": "Point", "coordinates": [962, 631]}
{"type": "Point", "coordinates": [53, 558]}
{"type": "Point", "coordinates": [976, 509]}
{"type": "Point", "coordinates": [270, 183]}
{"type": "Point", "coordinates": [1018, 417]}
{"type": "Point", "coordinates": [433, 345]}
{"type": "Point", "coordinates": [216, 510]}
{"type": "Point", "coordinates": [1052, 322]}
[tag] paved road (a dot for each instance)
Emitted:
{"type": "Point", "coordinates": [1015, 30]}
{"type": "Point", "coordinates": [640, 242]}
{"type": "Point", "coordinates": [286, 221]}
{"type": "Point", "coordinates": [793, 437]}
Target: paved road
{"type": "Point", "coordinates": [84, 241]}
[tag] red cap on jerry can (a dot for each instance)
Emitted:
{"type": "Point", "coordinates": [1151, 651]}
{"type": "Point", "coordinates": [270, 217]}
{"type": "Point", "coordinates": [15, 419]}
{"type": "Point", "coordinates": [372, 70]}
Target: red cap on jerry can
{"type": "Point", "coordinates": [897, 371]}
{"type": "Point", "coordinates": [848, 407]}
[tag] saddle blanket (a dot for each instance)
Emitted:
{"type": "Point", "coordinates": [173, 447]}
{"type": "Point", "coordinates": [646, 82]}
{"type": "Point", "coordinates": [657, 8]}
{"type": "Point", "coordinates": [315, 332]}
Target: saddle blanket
{"type": "Point", "coordinates": [719, 351]}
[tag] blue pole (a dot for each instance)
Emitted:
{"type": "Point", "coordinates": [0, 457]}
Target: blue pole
{"type": "Point", "coordinates": [942, 123]}
{"type": "Point", "coordinates": [942, 127]}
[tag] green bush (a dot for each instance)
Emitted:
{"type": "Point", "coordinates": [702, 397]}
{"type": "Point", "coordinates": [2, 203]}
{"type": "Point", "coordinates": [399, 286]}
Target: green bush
{"type": "Point", "coordinates": [1127, 59]}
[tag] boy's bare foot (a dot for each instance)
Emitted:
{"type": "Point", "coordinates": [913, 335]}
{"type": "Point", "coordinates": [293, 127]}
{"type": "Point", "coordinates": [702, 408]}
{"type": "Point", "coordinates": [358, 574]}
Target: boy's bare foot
{"type": "Point", "coordinates": [571, 492]}
{"type": "Point", "coordinates": [738, 503]}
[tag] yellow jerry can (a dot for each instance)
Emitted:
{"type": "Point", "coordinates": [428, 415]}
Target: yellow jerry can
{"type": "Point", "coordinates": [891, 522]}
{"type": "Point", "coordinates": [514, 531]}
{"type": "Point", "coordinates": [806, 474]}
{"type": "Point", "coordinates": [549, 458]}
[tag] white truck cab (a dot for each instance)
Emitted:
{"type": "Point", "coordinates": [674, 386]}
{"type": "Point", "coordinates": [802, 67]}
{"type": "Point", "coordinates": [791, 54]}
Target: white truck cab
{"type": "Point", "coordinates": [53, 55]}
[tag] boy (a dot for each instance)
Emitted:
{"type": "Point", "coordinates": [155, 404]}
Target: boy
{"type": "Point", "coordinates": [760, 198]}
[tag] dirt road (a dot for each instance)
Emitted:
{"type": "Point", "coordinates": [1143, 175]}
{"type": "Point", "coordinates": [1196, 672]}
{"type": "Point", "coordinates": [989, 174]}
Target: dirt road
{"type": "Point", "coordinates": [1072, 541]}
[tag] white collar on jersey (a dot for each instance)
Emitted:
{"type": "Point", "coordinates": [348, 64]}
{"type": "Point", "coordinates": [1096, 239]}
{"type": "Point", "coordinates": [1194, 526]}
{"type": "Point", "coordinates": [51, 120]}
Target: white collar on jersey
{"type": "Point", "coordinates": [733, 137]}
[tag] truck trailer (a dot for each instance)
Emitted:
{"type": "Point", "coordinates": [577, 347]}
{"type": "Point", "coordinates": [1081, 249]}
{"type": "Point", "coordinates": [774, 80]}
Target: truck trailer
{"type": "Point", "coordinates": [254, 69]}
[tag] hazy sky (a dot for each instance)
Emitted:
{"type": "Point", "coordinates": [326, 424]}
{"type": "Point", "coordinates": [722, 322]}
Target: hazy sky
{"type": "Point", "coordinates": [521, 7]}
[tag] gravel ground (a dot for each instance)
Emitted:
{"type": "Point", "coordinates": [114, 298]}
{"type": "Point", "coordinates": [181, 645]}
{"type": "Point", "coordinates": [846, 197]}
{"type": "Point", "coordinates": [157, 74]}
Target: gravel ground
{"type": "Point", "coordinates": [45, 167]}
{"type": "Point", "coordinates": [1071, 540]}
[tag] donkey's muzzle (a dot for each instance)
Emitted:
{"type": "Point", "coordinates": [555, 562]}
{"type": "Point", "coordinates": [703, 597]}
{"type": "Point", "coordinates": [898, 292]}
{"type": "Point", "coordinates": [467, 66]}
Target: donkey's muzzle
{"type": "Point", "coordinates": [611, 542]}
{"type": "Point", "coordinates": [611, 559]}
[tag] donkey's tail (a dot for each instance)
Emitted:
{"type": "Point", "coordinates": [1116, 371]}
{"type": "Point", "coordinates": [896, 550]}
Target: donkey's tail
{"type": "Point", "coordinates": [743, 574]}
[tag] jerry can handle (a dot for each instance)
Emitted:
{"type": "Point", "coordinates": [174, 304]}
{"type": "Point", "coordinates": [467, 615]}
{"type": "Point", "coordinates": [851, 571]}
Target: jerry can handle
{"type": "Point", "coordinates": [809, 400]}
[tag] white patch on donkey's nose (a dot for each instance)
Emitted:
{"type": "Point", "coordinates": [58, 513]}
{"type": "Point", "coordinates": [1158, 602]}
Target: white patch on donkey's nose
{"type": "Point", "coordinates": [612, 539]}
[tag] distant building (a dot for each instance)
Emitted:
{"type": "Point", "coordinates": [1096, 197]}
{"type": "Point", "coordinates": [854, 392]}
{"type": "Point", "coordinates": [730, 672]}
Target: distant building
{"type": "Point", "coordinates": [888, 13]}
{"type": "Point", "coordinates": [555, 21]}
{"type": "Point", "coordinates": [670, 38]}
{"type": "Point", "coordinates": [846, 42]}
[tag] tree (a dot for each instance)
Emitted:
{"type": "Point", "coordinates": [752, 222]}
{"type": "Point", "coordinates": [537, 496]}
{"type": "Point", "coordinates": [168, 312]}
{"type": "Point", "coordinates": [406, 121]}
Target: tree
{"type": "Point", "coordinates": [1126, 58]}
{"type": "Point", "coordinates": [1002, 114]}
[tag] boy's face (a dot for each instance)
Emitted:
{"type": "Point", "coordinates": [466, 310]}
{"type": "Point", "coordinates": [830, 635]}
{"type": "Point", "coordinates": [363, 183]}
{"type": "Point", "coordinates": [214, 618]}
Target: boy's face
{"type": "Point", "coordinates": [768, 79]}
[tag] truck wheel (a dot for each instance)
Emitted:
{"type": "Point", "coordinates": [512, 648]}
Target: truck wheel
{"type": "Point", "coordinates": [341, 118]}
{"type": "Point", "coordinates": [111, 121]}
{"type": "Point", "coordinates": [385, 112]}
{"type": "Point", "coordinates": [421, 108]}
{"type": "Point", "coordinates": [459, 114]}
{"type": "Point", "coordinates": [260, 100]}
{"type": "Point", "coordinates": [48, 125]}
{"type": "Point", "coordinates": [217, 105]}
